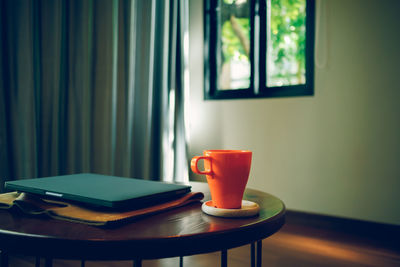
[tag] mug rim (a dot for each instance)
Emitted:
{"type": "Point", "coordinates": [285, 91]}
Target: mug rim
{"type": "Point", "coordinates": [226, 151]}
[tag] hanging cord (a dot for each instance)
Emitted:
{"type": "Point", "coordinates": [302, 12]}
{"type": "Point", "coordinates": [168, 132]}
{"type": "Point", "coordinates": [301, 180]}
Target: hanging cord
{"type": "Point", "coordinates": [321, 58]}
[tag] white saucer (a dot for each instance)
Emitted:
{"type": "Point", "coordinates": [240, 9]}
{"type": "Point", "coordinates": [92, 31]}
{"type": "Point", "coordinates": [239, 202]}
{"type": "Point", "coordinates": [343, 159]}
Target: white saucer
{"type": "Point", "coordinates": [248, 209]}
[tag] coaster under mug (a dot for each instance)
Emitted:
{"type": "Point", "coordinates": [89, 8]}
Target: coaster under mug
{"type": "Point", "coordinates": [248, 209]}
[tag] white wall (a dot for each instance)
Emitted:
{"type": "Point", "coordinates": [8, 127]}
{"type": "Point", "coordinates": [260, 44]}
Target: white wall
{"type": "Point", "coordinates": [337, 152]}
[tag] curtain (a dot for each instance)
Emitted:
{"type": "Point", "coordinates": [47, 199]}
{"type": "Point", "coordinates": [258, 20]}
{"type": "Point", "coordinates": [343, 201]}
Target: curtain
{"type": "Point", "coordinates": [93, 86]}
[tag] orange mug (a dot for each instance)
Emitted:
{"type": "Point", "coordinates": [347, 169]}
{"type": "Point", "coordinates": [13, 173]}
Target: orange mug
{"type": "Point", "coordinates": [227, 172]}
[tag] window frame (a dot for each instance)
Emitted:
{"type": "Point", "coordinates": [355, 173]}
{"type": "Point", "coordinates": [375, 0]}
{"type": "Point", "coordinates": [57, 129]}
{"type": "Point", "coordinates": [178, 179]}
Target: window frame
{"type": "Point", "coordinates": [257, 79]}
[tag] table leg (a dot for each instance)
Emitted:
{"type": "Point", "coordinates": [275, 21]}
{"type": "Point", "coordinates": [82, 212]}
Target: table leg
{"type": "Point", "coordinates": [253, 255]}
{"type": "Point", "coordinates": [137, 263]}
{"type": "Point", "coordinates": [3, 259]}
{"type": "Point", "coordinates": [224, 258]}
{"type": "Point", "coordinates": [259, 253]}
{"type": "Point", "coordinates": [180, 261]}
{"type": "Point", "coordinates": [37, 262]}
{"type": "Point", "coordinates": [82, 263]}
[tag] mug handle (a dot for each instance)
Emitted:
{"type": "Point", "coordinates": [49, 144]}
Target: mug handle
{"type": "Point", "coordinates": [195, 168]}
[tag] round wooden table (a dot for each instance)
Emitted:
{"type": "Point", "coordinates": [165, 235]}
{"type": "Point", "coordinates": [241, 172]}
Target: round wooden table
{"type": "Point", "coordinates": [180, 232]}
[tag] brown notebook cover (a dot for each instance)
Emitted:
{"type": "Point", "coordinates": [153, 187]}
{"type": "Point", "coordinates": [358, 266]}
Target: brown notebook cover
{"type": "Point", "coordinates": [34, 205]}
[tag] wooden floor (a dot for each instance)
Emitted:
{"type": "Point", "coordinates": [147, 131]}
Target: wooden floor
{"type": "Point", "coordinates": [301, 242]}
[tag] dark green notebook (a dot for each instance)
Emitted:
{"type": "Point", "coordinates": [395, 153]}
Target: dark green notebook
{"type": "Point", "coordinates": [101, 190]}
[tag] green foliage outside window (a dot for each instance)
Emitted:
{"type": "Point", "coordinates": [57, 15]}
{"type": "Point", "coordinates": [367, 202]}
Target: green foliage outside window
{"type": "Point", "coordinates": [287, 27]}
{"type": "Point", "coordinates": [232, 48]}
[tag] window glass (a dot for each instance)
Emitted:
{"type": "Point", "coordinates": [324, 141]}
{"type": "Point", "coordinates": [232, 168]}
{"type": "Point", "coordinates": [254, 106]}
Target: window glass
{"type": "Point", "coordinates": [286, 42]}
{"type": "Point", "coordinates": [233, 50]}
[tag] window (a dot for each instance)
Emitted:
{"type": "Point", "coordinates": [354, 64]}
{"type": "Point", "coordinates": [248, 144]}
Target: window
{"type": "Point", "coordinates": [258, 48]}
